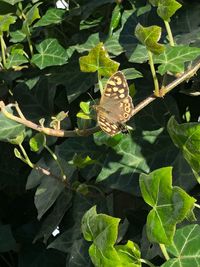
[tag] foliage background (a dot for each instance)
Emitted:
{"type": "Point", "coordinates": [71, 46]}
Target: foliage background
{"type": "Point", "coordinates": [44, 77]}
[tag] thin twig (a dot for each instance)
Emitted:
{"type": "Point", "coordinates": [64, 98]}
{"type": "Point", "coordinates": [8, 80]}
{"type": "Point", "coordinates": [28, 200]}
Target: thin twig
{"type": "Point", "coordinates": [86, 132]}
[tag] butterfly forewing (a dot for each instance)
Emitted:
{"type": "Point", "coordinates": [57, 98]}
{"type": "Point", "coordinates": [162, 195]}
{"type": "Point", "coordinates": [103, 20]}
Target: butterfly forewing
{"type": "Point", "coordinates": [115, 106]}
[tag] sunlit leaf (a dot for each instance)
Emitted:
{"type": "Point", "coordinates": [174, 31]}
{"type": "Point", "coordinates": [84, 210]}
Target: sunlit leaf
{"type": "Point", "coordinates": [102, 230]}
{"type": "Point", "coordinates": [98, 60]}
{"type": "Point", "coordinates": [185, 248]}
{"type": "Point", "coordinates": [149, 36]}
{"type": "Point", "coordinates": [170, 205]}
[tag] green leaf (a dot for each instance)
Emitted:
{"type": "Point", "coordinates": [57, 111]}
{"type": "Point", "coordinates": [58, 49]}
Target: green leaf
{"type": "Point", "coordinates": [37, 142]}
{"type": "Point", "coordinates": [186, 136]}
{"type": "Point", "coordinates": [47, 193]}
{"type": "Point", "coordinates": [15, 59]}
{"type": "Point", "coordinates": [80, 162]}
{"type": "Point", "coordinates": [185, 248]}
{"type": "Point", "coordinates": [50, 53]}
{"type": "Point", "coordinates": [173, 58]}
{"type": "Point", "coordinates": [54, 218]}
{"type": "Point", "coordinates": [103, 231]}
{"type": "Point", "coordinates": [32, 14]}
{"type": "Point", "coordinates": [5, 22]}
{"type": "Point", "coordinates": [11, 2]}
{"type": "Point", "coordinates": [149, 36]}
{"type": "Point", "coordinates": [17, 36]}
{"type": "Point", "coordinates": [9, 129]}
{"type": "Point", "coordinates": [52, 16]}
{"type": "Point", "coordinates": [18, 140]}
{"type": "Point", "coordinates": [7, 241]}
{"type": "Point", "coordinates": [132, 73]}
{"type": "Point", "coordinates": [115, 19]}
{"type": "Point", "coordinates": [139, 55]}
{"type": "Point", "coordinates": [98, 60]}
{"type": "Point", "coordinates": [167, 8]}
{"type": "Point", "coordinates": [170, 205]}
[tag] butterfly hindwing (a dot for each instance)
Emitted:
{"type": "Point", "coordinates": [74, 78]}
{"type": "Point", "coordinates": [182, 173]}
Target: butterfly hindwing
{"type": "Point", "coordinates": [115, 106]}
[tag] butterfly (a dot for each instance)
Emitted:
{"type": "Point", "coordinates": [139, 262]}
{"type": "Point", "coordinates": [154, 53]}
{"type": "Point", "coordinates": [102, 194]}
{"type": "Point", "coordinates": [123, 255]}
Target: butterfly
{"type": "Point", "coordinates": [116, 106]}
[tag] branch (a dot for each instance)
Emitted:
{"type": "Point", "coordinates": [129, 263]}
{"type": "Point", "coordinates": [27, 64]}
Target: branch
{"type": "Point", "coordinates": [76, 133]}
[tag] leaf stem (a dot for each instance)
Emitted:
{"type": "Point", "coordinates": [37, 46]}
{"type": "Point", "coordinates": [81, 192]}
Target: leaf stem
{"type": "Point", "coordinates": [164, 251]}
{"type": "Point", "coordinates": [197, 205]}
{"type": "Point", "coordinates": [147, 262]}
{"type": "Point", "coordinates": [100, 83]}
{"type": "Point", "coordinates": [3, 50]}
{"type": "Point", "coordinates": [57, 161]}
{"type": "Point", "coordinates": [27, 160]}
{"type": "Point", "coordinates": [169, 32]}
{"type": "Point", "coordinates": [76, 132]}
{"type": "Point", "coordinates": [153, 71]}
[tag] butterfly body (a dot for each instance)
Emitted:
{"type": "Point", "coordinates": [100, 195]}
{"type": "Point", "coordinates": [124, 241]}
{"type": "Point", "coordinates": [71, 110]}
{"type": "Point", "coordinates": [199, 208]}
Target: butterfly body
{"type": "Point", "coordinates": [115, 107]}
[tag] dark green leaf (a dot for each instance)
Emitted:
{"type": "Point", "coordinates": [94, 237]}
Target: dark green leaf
{"type": "Point", "coordinates": [50, 53]}
{"type": "Point", "coordinates": [7, 241]}
{"type": "Point", "coordinates": [9, 129]}
{"type": "Point", "coordinates": [52, 16]}
{"type": "Point", "coordinates": [173, 58]}
{"type": "Point", "coordinates": [186, 136]}
{"type": "Point", "coordinates": [47, 193]}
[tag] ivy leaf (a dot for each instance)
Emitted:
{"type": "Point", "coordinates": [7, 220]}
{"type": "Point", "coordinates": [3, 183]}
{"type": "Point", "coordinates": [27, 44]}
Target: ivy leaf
{"type": "Point", "coordinates": [9, 129]}
{"type": "Point", "coordinates": [11, 2]}
{"type": "Point", "coordinates": [7, 241]}
{"type": "Point", "coordinates": [50, 53]}
{"type": "Point", "coordinates": [185, 247]}
{"type": "Point", "coordinates": [103, 231]}
{"type": "Point", "coordinates": [5, 22]}
{"type": "Point", "coordinates": [37, 142]}
{"type": "Point", "coordinates": [98, 60]}
{"type": "Point", "coordinates": [149, 36]}
{"type": "Point", "coordinates": [170, 204]}
{"type": "Point", "coordinates": [186, 136]}
{"type": "Point", "coordinates": [140, 54]}
{"type": "Point", "coordinates": [32, 14]}
{"type": "Point", "coordinates": [173, 58]}
{"type": "Point", "coordinates": [167, 8]}
{"type": "Point", "coordinates": [47, 193]}
{"type": "Point", "coordinates": [15, 60]}
{"type": "Point", "coordinates": [17, 36]}
{"type": "Point", "coordinates": [52, 16]}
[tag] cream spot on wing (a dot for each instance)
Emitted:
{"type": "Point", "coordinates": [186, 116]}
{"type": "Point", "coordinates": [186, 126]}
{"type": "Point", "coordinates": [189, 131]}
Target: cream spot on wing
{"type": "Point", "coordinates": [121, 91]}
{"type": "Point", "coordinates": [114, 126]}
{"type": "Point", "coordinates": [118, 80]}
{"type": "Point", "coordinates": [109, 89]}
{"type": "Point", "coordinates": [111, 82]}
{"type": "Point", "coordinates": [126, 115]}
{"type": "Point", "coordinates": [115, 89]}
{"type": "Point", "coordinates": [127, 104]}
{"type": "Point", "coordinates": [127, 109]}
{"type": "Point", "coordinates": [122, 95]}
{"type": "Point", "coordinates": [116, 97]}
{"type": "Point", "coordinates": [107, 94]}
{"type": "Point", "coordinates": [126, 100]}
{"type": "Point", "coordinates": [121, 105]}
